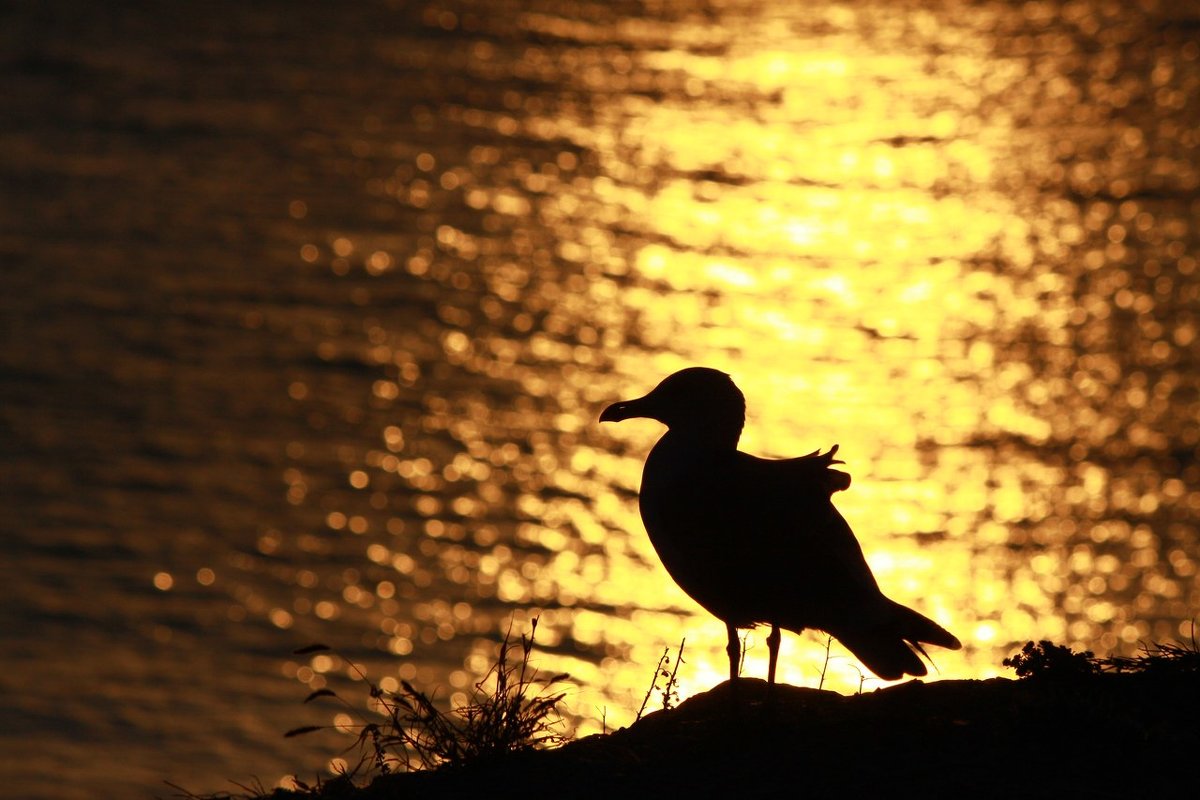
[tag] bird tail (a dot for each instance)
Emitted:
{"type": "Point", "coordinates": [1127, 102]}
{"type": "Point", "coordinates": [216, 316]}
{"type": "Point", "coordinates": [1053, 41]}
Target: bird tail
{"type": "Point", "coordinates": [892, 648]}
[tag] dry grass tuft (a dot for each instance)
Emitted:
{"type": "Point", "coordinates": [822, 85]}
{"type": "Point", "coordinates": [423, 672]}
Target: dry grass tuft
{"type": "Point", "coordinates": [511, 710]}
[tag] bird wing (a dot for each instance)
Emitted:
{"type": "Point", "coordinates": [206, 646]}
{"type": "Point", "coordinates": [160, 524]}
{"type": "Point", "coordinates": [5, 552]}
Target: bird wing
{"type": "Point", "coordinates": [810, 474]}
{"type": "Point", "coordinates": [806, 548]}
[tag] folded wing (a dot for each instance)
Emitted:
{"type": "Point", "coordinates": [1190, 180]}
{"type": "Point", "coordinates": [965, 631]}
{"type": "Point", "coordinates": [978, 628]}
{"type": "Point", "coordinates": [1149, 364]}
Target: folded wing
{"type": "Point", "coordinates": [810, 567]}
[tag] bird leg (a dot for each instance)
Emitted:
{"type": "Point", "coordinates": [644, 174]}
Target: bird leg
{"type": "Point", "coordinates": [733, 650]}
{"type": "Point", "coordinates": [772, 654]}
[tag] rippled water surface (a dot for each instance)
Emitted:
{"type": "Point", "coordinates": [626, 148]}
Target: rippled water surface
{"type": "Point", "coordinates": [310, 310]}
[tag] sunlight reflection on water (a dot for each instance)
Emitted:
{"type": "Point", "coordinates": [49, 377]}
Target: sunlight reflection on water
{"type": "Point", "coordinates": [894, 235]}
{"type": "Point", "coordinates": [958, 240]}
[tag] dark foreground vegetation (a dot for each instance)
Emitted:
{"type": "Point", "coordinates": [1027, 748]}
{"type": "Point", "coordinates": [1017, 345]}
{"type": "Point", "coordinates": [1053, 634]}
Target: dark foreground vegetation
{"type": "Point", "coordinates": [1071, 725]}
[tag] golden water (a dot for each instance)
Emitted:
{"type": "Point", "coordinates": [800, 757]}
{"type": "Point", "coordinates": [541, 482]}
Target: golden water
{"type": "Point", "coordinates": [336, 375]}
{"type": "Point", "coordinates": [947, 239]}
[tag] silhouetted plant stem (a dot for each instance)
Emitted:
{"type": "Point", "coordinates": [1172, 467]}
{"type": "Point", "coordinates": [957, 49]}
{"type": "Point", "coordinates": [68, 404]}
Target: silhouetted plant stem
{"type": "Point", "coordinates": [825, 665]}
{"type": "Point", "coordinates": [653, 682]}
{"type": "Point", "coordinates": [671, 685]}
{"type": "Point", "coordinates": [670, 689]}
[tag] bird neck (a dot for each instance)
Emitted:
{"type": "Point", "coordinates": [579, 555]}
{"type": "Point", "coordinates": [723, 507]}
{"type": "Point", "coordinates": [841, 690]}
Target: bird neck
{"type": "Point", "coordinates": [704, 437]}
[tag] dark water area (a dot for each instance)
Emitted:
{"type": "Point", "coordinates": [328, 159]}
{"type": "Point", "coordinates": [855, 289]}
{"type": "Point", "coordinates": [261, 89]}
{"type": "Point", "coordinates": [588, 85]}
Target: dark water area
{"type": "Point", "coordinates": [309, 310]}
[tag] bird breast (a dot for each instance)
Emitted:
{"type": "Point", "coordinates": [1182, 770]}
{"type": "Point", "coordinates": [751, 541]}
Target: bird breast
{"type": "Point", "coordinates": [690, 513]}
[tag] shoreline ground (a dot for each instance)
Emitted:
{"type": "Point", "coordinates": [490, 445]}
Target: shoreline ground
{"type": "Point", "coordinates": [1101, 735]}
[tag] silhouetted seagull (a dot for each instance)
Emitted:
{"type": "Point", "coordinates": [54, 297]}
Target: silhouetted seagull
{"type": "Point", "coordinates": [758, 541]}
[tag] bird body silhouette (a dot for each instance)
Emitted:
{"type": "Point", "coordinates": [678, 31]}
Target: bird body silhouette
{"type": "Point", "coordinates": [758, 541]}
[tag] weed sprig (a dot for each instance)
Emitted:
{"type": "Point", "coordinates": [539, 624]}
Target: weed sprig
{"type": "Point", "coordinates": [670, 689]}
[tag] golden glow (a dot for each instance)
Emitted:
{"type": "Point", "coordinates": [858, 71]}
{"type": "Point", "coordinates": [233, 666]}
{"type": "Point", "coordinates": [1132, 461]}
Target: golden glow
{"type": "Point", "coordinates": [847, 215]}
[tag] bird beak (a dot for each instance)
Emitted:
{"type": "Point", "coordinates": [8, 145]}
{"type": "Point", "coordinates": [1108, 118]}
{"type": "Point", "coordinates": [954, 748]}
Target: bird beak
{"type": "Point", "coordinates": [626, 409]}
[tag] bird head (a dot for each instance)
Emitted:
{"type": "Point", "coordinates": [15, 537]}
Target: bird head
{"type": "Point", "coordinates": [700, 402]}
